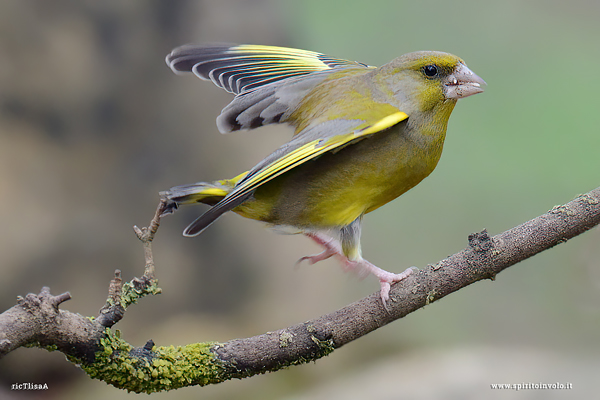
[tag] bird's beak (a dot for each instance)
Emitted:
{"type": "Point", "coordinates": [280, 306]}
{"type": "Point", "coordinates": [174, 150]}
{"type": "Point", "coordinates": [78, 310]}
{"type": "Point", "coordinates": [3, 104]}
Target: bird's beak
{"type": "Point", "coordinates": [463, 83]}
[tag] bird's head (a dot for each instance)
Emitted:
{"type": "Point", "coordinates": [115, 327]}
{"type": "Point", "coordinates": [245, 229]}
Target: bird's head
{"type": "Point", "coordinates": [424, 79]}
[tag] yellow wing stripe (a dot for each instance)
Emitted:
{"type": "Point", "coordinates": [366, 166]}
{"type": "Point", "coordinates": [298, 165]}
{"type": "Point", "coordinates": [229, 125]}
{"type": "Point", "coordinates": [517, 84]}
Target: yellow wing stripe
{"type": "Point", "coordinates": [280, 51]}
{"type": "Point", "coordinates": [307, 57]}
{"type": "Point", "coordinates": [289, 57]}
{"type": "Point", "coordinates": [384, 123]}
{"type": "Point", "coordinates": [296, 157]}
{"type": "Point", "coordinates": [233, 181]}
{"type": "Point", "coordinates": [310, 151]}
{"type": "Point", "coordinates": [214, 192]}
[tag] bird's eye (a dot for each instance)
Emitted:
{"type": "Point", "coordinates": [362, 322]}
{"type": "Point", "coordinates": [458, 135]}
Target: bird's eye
{"type": "Point", "coordinates": [430, 70]}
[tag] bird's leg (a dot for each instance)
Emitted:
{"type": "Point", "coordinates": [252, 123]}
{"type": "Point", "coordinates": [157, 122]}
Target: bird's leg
{"type": "Point", "coordinates": [332, 248]}
{"type": "Point", "coordinates": [360, 266]}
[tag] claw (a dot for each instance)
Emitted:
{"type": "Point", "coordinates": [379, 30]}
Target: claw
{"type": "Point", "coordinates": [384, 293]}
{"type": "Point", "coordinates": [315, 258]}
{"type": "Point", "coordinates": [169, 208]}
{"type": "Point", "coordinates": [386, 279]}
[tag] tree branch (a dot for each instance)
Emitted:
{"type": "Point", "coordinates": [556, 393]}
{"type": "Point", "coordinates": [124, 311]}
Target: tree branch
{"type": "Point", "coordinates": [37, 321]}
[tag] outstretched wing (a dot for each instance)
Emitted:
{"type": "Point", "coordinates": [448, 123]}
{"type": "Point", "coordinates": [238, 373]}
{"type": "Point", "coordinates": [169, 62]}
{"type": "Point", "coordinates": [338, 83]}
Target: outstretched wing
{"type": "Point", "coordinates": [269, 82]}
{"type": "Point", "coordinates": [243, 68]}
{"type": "Point", "coordinates": [300, 150]}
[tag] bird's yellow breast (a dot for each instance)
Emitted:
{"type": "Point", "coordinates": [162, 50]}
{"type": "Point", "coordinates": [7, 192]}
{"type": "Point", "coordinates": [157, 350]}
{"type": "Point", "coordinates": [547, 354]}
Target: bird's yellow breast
{"type": "Point", "coordinates": [336, 188]}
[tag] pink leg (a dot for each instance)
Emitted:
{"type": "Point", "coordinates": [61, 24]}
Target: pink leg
{"type": "Point", "coordinates": [361, 267]}
{"type": "Point", "coordinates": [332, 248]}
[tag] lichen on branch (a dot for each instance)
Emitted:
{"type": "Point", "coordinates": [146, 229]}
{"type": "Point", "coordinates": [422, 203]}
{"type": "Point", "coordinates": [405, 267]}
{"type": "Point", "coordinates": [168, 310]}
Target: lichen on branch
{"type": "Point", "coordinates": [36, 320]}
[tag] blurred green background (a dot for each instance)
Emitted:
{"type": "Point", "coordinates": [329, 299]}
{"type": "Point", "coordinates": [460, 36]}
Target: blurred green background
{"type": "Point", "coordinates": [93, 124]}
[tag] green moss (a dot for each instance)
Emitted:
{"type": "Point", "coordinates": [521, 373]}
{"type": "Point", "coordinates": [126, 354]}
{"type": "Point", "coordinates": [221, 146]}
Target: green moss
{"type": "Point", "coordinates": [160, 369]}
{"type": "Point", "coordinates": [156, 369]}
{"type": "Point", "coordinates": [325, 346]}
{"type": "Point", "coordinates": [51, 347]}
{"type": "Point", "coordinates": [130, 294]}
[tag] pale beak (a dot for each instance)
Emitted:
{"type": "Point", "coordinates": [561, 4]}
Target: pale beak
{"type": "Point", "coordinates": [463, 83]}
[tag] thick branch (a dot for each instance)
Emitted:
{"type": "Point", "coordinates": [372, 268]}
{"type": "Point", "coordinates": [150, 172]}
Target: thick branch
{"type": "Point", "coordinates": [37, 320]}
{"type": "Point", "coordinates": [483, 259]}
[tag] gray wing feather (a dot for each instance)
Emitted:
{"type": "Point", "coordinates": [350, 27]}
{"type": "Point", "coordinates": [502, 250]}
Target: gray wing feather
{"type": "Point", "coordinates": [272, 103]}
{"type": "Point", "coordinates": [268, 82]}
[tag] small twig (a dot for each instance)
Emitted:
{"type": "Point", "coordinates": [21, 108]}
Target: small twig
{"type": "Point", "coordinates": [121, 296]}
{"type": "Point", "coordinates": [61, 298]}
{"type": "Point", "coordinates": [112, 311]}
{"type": "Point", "coordinates": [146, 236]}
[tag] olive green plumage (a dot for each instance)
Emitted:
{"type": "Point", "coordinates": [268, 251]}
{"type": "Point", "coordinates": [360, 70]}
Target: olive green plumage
{"type": "Point", "coordinates": [362, 137]}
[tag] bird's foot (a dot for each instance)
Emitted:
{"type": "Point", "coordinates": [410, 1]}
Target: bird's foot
{"type": "Point", "coordinates": [315, 258]}
{"type": "Point", "coordinates": [385, 278]}
{"type": "Point", "coordinates": [361, 267]}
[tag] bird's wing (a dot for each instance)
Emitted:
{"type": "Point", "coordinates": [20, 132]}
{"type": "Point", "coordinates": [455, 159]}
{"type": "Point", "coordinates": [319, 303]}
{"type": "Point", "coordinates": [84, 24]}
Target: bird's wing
{"type": "Point", "coordinates": [303, 148]}
{"type": "Point", "coordinates": [244, 68]}
{"type": "Point", "coordinates": [268, 81]}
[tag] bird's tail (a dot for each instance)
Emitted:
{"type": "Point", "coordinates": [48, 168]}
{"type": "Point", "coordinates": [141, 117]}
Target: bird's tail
{"type": "Point", "coordinates": [201, 192]}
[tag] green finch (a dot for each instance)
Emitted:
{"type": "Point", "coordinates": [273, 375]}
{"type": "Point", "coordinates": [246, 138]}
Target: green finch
{"type": "Point", "coordinates": [363, 136]}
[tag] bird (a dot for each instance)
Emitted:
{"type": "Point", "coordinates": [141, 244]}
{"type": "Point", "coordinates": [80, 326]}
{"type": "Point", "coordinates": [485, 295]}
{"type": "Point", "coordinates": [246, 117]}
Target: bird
{"type": "Point", "coordinates": [362, 136]}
